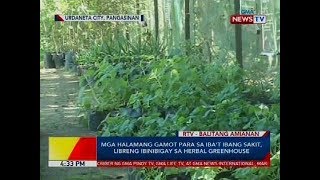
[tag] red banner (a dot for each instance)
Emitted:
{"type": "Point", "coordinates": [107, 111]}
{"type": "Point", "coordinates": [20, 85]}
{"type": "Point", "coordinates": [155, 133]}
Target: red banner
{"type": "Point", "coordinates": [141, 164]}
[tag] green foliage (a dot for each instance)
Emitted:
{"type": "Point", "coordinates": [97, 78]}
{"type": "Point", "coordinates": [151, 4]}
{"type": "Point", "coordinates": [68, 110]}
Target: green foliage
{"type": "Point", "coordinates": [127, 68]}
{"type": "Point", "coordinates": [261, 173]}
{"type": "Point", "coordinates": [123, 51]}
{"type": "Point", "coordinates": [182, 94]}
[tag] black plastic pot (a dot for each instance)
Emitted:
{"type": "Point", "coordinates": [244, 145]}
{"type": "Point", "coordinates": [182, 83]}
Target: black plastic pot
{"type": "Point", "coordinates": [48, 61]}
{"type": "Point", "coordinates": [58, 60]}
{"type": "Point", "coordinates": [62, 58]}
{"type": "Point", "coordinates": [95, 118]}
{"type": "Point", "coordinates": [70, 61]}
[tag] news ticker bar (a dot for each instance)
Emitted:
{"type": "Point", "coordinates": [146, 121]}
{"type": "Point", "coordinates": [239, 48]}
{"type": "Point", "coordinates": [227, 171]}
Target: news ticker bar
{"type": "Point", "coordinates": [109, 18]}
{"type": "Point", "coordinates": [250, 147]}
{"type": "Point", "coordinates": [142, 164]}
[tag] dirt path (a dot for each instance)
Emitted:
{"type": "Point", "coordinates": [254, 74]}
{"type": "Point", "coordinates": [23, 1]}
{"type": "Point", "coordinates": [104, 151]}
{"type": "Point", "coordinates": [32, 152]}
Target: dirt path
{"type": "Point", "coordinates": [58, 117]}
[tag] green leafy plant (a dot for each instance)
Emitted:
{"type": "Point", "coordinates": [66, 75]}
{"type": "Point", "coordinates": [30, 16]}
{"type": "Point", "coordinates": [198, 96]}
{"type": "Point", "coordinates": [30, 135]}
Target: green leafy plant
{"type": "Point", "coordinates": [181, 94]}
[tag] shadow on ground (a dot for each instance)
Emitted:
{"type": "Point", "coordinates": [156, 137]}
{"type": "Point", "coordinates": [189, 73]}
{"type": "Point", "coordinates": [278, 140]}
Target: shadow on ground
{"type": "Point", "coordinates": [59, 117]}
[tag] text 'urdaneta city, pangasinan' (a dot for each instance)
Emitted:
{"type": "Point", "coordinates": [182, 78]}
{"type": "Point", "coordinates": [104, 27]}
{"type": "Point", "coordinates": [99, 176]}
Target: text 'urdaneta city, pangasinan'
{"type": "Point", "coordinates": [111, 18]}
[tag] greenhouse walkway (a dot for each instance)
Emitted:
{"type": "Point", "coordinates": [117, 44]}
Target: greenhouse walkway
{"type": "Point", "coordinates": [59, 117]}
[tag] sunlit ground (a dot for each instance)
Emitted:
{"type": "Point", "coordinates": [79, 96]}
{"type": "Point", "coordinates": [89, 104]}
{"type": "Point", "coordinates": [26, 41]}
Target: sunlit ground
{"type": "Point", "coordinates": [59, 116]}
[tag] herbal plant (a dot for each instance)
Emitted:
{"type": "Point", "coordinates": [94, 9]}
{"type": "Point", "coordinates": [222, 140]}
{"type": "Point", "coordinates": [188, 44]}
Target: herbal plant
{"type": "Point", "coordinates": [182, 94]}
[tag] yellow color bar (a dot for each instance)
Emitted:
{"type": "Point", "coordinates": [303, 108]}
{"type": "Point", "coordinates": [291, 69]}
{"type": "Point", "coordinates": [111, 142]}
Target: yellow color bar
{"type": "Point", "coordinates": [60, 148]}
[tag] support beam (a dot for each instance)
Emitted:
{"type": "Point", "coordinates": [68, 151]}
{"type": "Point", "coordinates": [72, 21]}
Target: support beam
{"type": "Point", "coordinates": [238, 35]}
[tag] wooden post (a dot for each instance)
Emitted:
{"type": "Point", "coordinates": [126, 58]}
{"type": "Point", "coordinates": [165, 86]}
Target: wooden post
{"type": "Point", "coordinates": [238, 34]}
{"type": "Point", "coordinates": [187, 25]}
{"type": "Point", "coordinates": [259, 29]}
{"type": "Point", "coordinates": [139, 30]}
{"type": "Point", "coordinates": [187, 19]}
{"type": "Point", "coordinates": [156, 19]}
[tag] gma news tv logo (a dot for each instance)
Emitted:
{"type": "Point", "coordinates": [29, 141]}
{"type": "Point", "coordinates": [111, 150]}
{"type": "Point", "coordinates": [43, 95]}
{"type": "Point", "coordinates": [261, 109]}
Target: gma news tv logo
{"type": "Point", "coordinates": [248, 19]}
{"type": "Point", "coordinates": [248, 16]}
